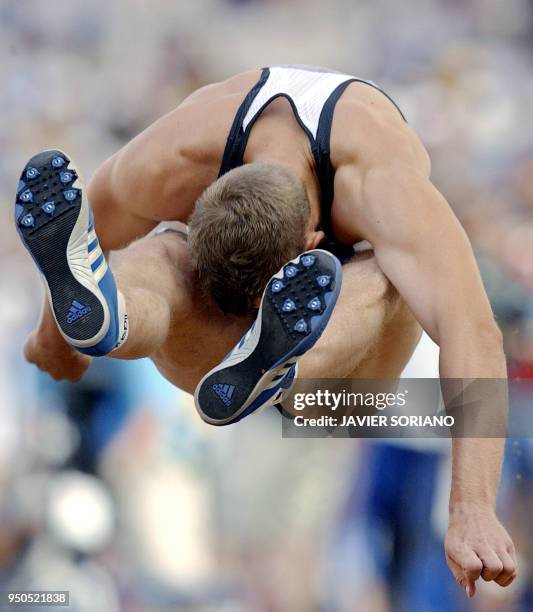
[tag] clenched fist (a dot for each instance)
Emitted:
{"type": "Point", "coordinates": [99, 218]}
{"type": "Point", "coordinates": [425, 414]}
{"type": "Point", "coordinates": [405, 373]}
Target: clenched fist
{"type": "Point", "coordinates": [478, 545]}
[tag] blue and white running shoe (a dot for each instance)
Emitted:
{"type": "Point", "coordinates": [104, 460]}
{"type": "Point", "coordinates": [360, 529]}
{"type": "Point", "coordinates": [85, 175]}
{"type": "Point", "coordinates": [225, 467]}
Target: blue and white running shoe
{"type": "Point", "coordinates": [295, 309]}
{"type": "Point", "coordinates": [54, 220]}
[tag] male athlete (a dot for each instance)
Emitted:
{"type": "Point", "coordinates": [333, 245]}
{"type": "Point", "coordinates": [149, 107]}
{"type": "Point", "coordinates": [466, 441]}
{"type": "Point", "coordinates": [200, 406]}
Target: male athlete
{"type": "Point", "coordinates": [263, 167]}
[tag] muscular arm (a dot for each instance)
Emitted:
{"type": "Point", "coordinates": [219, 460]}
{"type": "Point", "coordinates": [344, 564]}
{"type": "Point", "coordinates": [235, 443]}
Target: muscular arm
{"type": "Point", "coordinates": [147, 181]}
{"type": "Point", "coordinates": [114, 193]}
{"type": "Point", "coordinates": [423, 250]}
{"type": "Point", "coordinates": [128, 191]}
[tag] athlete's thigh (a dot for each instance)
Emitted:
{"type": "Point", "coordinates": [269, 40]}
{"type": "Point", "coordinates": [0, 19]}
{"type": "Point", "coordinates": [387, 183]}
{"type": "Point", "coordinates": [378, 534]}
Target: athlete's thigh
{"type": "Point", "coordinates": [160, 264]}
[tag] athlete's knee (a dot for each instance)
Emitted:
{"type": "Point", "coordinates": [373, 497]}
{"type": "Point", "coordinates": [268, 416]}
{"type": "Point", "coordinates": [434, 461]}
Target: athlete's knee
{"type": "Point", "coordinates": [365, 287]}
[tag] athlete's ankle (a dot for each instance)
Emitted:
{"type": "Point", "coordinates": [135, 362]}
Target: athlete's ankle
{"type": "Point", "coordinates": [117, 332]}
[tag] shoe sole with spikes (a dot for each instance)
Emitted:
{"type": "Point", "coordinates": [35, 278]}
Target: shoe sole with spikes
{"type": "Point", "coordinates": [295, 309]}
{"type": "Point", "coordinates": [54, 221]}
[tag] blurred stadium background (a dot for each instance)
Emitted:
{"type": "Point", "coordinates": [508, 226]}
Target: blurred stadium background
{"type": "Point", "coordinates": [113, 488]}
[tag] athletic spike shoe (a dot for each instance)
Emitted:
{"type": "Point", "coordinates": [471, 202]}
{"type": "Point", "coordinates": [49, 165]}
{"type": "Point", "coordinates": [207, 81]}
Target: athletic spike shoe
{"type": "Point", "coordinates": [294, 311]}
{"type": "Point", "coordinates": [54, 221]}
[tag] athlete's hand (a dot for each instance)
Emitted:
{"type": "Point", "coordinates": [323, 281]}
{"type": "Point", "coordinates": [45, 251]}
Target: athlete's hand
{"type": "Point", "coordinates": [48, 350]}
{"type": "Point", "coordinates": [478, 545]}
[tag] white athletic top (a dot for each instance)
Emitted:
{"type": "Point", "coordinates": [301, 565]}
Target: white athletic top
{"type": "Point", "coordinates": [307, 90]}
{"type": "Point", "coordinates": [312, 94]}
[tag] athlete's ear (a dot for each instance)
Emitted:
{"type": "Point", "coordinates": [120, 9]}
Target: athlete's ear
{"type": "Point", "coordinates": [314, 238]}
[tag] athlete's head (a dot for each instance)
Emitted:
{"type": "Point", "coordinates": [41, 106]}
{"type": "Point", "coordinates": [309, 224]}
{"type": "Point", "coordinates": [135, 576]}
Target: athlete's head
{"type": "Point", "coordinates": [244, 227]}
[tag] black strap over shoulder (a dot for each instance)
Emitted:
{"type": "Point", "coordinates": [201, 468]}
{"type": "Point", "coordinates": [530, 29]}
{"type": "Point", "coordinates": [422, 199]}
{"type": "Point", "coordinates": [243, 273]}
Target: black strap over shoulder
{"type": "Point", "coordinates": [236, 142]}
{"type": "Point", "coordinates": [325, 171]}
{"type": "Point", "coordinates": [322, 154]}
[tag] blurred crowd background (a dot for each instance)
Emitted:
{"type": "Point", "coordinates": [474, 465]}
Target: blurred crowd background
{"type": "Point", "coordinates": [113, 488]}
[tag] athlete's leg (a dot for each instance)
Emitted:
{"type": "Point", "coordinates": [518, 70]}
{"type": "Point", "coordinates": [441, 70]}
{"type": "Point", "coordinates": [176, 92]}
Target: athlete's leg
{"type": "Point", "coordinates": [154, 277]}
{"type": "Point", "coordinates": [371, 333]}
{"type": "Point", "coordinates": [91, 309]}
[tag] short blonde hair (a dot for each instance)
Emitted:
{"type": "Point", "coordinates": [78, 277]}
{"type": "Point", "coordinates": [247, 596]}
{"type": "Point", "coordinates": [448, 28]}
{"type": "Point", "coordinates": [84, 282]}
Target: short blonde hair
{"type": "Point", "coordinates": [244, 227]}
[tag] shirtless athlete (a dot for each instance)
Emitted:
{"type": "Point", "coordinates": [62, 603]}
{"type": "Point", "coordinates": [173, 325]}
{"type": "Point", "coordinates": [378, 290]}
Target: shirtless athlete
{"type": "Point", "coordinates": [264, 166]}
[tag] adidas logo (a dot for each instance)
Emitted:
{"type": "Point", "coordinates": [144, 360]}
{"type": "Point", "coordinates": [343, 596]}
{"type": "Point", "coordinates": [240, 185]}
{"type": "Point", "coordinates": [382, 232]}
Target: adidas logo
{"type": "Point", "coordinates": [77, 311]}
{"type": "Point", "coordinates": [224, 392]}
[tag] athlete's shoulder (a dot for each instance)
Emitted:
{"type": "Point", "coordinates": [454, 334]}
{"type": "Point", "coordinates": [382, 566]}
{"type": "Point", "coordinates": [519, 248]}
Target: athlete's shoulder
{"type": "Point", "coordinates": [368, 129]}
{"type": "Point", "coordinates": [164, 169]}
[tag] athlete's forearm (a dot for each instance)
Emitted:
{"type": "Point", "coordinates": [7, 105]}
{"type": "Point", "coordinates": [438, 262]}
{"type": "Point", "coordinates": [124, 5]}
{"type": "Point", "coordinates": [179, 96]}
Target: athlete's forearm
{"type": "Point", "coordinates": [476, 544]}
{"type": "Point", "coordinates": [478, 360]}
{"type": "Point", "coordinates": [470, 341]}
{"type": "Point", "coordinates": [476, 469]}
